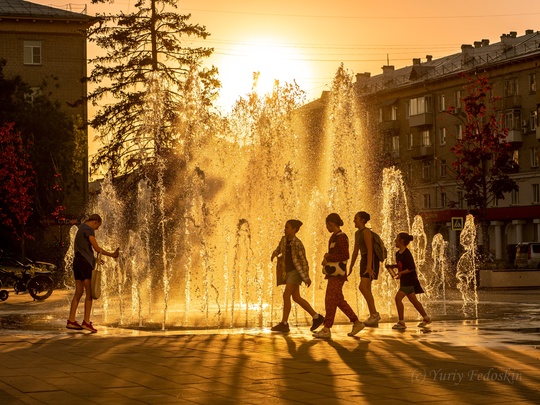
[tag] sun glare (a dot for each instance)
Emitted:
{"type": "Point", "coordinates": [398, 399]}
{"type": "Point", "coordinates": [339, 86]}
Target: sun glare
{"type": "Point", "coordinates": [274, 61]}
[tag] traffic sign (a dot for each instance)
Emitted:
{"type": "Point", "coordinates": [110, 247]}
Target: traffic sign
{"type": "Point", "coordinates": [457, 223]}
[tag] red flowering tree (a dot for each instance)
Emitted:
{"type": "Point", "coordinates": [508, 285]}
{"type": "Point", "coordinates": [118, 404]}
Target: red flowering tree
{"type": "Point", "coordinates": [483, 158]}
{"type": "Point", "coordinates": [16, 183]}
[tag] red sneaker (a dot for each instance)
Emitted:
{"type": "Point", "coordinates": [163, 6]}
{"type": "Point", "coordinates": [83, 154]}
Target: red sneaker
{"type": "Point", "coordinates": [73, 325]}
{"type": "Point", "coordinates": [88, 326]}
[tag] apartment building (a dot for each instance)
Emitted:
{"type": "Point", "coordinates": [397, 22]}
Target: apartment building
{"type": "Point", "coordinates": [47, 44]}
{"type": "Point", "coordinates": [407, 109]}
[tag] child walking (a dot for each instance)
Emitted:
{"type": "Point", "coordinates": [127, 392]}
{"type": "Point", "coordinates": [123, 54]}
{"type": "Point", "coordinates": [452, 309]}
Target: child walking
{"type": "Point", "coordinates": [338, 251]}
{"type": "Point", "coordinates": [369, 264]}
{"type": "Point", "coordinates": [409, 285]}
{"type": "Point", "coordinates": [292, 257]}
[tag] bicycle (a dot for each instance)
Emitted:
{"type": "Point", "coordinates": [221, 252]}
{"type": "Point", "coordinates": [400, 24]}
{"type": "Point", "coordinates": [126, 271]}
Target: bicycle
{"type": "Point", "coordinates": [39, 285]}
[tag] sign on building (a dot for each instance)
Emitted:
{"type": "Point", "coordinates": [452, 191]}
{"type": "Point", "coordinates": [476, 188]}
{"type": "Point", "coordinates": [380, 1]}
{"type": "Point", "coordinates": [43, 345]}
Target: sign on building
{"type": "Point", "coordinates": [457, 223]}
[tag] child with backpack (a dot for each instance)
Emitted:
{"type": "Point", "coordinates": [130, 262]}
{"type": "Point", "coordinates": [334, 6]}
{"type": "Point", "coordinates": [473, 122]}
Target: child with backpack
{"type": "Point", "coordinates": [369, 264]}
{"type": "Point", "coordinates": [409, 285]}
{"type": "Point", "coordinates": [293, 269]}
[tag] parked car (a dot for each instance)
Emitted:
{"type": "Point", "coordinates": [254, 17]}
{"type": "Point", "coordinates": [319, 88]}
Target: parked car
{"type": "Point", "coordinates": [528, 255]}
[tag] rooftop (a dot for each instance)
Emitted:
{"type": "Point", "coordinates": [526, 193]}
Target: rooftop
{"type": "Point", "coordinates": [25, 9]}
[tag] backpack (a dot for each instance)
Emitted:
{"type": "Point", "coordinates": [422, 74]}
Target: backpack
{"type": "Point", "coordinates": [378, 247]}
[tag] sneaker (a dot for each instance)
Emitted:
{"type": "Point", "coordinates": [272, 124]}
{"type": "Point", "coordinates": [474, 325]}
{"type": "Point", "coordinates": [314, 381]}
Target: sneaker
{"type": "Point", "coordinates": [316, 323]}
{"type": "Point", "coordinates": [73, 325]}
{"type": "Point", "coordinates": [400, 326]}
{"type": "Point", "coordinates": [373, 320]}
{"type": "Point", "coordinates": [88, 326]}
{"type": "Point", "coordinates": [323, 334]}
{"type": "Point", "coordinates": [425, 322]}
{"type": "Point", "coordinates": [281, 327]}
{"type": "Point", "coordinates": [357, 327]}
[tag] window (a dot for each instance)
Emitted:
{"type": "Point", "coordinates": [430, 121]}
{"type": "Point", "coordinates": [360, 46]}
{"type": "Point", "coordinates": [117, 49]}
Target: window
{"type": "Point", "coordinates": [426, 138]}
{"type": "Point", "coordinates": [442, 136]}
{"type": "Point", "coordinates": [511, 87]}
{"type": "Point", "coordinates": [495, 202]}
{"type": "Point", "coordinates": [536, 193]}
{"type": "Point", "coordinates": [515, 156]}
{"type": "Point", "coordinates": [395, 143]}
{"type": "Point", "coordinates": [535, 158]}
{"type": "Point", "coordinates": [512, 119]}
{"type": "Point", "coordinates": [410, 142]}
{"type": "Point", "coordinates": [533, 119]}
{"type": "Point", "coordinates": [532, 83]}
{"type": "Point", "coordinates": [443, 200]}
{"type": "Point", "coordinates": [459, 131]}
{"type": "Point", "coordinates": [427, 201]}
{"type": "Point", "coordinates": [419, 105]}
{"type": "Point", "coordinates": [34, 93]}
{"type": "Point", "coordinates": [457, 98]}
{"type": "Point", "coordinates": [32, 52]}
{"type": "Point", "coordinates": [442, 103]}
{"type": "Point", "coordinates": [460, 199]}
{"type": "Point", "coordinates": [515, 197]}
{"type": "Point", "coordinates": [443, 168]}
{"type": "Point", "coordinates": [426, 166]}
{"type": "Point", "coordinates": [380, 115]}
{"type": "Point", "coordinates": [394, 113]}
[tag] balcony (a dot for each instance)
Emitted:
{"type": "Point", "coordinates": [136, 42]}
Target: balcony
{"type": "Point", "coordinates": [422, 152]}
{"type": "Point", "coordinates": [389, 126]}
{"type": "Point", "coordinates": [421, 119]}
{"type": "Point", "coordinates": [515, 135]}
{"type": "Point", "coordinates": [512, 102]}
{"type": "Point", "coordinates": [538, 133]}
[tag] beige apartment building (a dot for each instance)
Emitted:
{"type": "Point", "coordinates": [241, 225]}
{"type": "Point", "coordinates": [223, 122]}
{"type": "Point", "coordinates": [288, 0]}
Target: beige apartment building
{"type": "Point", "coordinates": [407, 110]}
{"type": "Point", "coordinates": [46, 44]}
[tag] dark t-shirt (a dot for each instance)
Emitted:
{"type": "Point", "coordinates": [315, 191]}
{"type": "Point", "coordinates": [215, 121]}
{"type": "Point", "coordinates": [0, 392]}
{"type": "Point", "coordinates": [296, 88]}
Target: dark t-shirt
{"type": "Point", "coordinates": [82, 244]}
{"type": "Point", "coordinates": [405, 261]}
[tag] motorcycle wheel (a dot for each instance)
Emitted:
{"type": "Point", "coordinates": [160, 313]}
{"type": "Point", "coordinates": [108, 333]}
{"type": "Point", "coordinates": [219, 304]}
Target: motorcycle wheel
{"type": "Point", "coordinates": [4, 295]}
{"type": "Point", "coordinates": [40, 287]}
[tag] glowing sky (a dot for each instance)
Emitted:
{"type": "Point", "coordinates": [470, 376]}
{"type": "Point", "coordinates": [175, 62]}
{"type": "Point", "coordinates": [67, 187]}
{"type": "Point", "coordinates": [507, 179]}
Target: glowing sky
{"type": "Point", "coordinates": [306, 40]}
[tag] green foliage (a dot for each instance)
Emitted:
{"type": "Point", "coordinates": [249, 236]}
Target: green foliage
{"type": "Point", "coordinates": [147, 45]}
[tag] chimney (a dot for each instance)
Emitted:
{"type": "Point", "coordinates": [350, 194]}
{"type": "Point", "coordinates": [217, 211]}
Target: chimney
{"type": "Point", "coordinates": [477, 44]}
{"type": "Point", "coordinates": [387, 69]}
{"type": "Point", "coordinates": [513, 34]}
{"type": "Point", "coordinates": [466, 53]}
{"type": "Point", "coordinates": [416, 61]}
{"type": "Point", "coordinates": [528, 32]}
{"type": "Point", "coordinates": [362, 78]}
{"type": "Point", "coordinates": [429, 58]}
{"type": "Point", "coordinates": [485, 42]}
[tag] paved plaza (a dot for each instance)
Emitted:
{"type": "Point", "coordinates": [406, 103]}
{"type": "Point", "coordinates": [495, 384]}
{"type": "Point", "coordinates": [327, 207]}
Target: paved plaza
{"type": "Point", "coordinates": [494, 359]}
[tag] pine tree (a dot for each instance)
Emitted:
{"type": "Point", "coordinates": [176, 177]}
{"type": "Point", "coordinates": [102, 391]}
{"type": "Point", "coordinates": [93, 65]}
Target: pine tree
{"type": "Point", "coordinates": [148, 62]}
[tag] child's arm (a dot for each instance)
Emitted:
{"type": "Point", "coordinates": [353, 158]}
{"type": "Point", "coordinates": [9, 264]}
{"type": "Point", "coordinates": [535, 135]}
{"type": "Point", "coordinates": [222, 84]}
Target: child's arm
{"type": "Point", "coordinates": [276, 252]}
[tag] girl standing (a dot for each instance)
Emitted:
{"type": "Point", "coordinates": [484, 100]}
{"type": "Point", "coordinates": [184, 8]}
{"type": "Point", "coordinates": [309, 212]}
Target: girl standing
{"type": "Point", "coordinates": [338, 251]}
{"type": "Point", "coordinates": [369, 264]}
{"type": "Point", "coordinates": [409, 284]}
{"type": "Point", "coordinates": [293, 259]}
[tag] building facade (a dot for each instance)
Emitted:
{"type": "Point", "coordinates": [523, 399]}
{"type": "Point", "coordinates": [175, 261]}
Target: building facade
{"type": "Point", "coordinates": [408, 110]}
{"type": "Point", "coordinates": [48, 45]}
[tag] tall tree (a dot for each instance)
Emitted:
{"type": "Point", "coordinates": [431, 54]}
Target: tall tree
{"type": "Point", "coordinates": [483, 157]}
{"type": "Point", "coordinates": [16, 183]}
{"type": "Point", "coordinates": [148, 62]}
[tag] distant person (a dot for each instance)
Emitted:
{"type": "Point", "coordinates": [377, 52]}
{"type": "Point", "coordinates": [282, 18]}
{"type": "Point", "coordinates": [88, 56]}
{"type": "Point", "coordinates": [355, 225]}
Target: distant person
{"type": "Point", "coordinates": [409, 285]}
{"type": "Point", "coordinates": [369, 264]}
{"type": "Point", "coordinates": [337, 256]}
{"type": "Point", "coordinates": [293, 269]}
{"type": "Point", "coordinates": [83, 263]}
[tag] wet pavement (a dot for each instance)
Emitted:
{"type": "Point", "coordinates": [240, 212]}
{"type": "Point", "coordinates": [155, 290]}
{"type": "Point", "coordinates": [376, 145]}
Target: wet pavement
{"type": "Point", "coordinates": [493, 359]}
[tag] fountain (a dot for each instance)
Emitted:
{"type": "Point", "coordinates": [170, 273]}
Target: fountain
{"type": "Point", "coordinates": [466, 268]}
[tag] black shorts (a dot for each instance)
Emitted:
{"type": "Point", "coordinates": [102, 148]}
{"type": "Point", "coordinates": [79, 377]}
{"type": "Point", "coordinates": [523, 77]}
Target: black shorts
{"type": "Point", "coordinates": [363, 267]}
{"type": "Point", "coordinates": [82, 270]}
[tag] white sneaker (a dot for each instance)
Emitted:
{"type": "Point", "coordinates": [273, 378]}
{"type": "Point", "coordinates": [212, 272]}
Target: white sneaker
{"type": "Point", "coordinates": [323, 334]}
{"type": "Point", "coordinates": [400, 326]}
{"type": "Point", "coordinates": [425, 322]}
{"type": "Point", "coordinates": [357, 327]}
{"type": "Point", "coordinates": [373, 320]}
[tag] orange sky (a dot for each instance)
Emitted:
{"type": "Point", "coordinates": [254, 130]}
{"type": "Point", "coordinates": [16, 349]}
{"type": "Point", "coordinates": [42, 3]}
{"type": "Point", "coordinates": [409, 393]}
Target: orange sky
{"type": "Point", "coordinates": [306, 40]}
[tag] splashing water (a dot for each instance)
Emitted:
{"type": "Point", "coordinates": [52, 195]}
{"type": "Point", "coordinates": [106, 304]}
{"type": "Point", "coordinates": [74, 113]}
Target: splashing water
{"type": "Point", "coordinates": [436, 289]}
{"type": "Point", "coordinates": [466, 268]}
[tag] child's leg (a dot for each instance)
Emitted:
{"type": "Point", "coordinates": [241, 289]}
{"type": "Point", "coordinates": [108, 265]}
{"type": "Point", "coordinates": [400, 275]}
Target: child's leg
{"type": "Point", "coordinates": [289, 289]}
{"type": "Point", "coordinates": [302, 302]}
{"type": "Point", "coordinates": [417, 304]}
{"type": "Point", "coordinates": [399, 305]}
{"type": "Point", "coordinates": [365, 289]}
{"type": "Point", "coordinates": [333, 291]}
